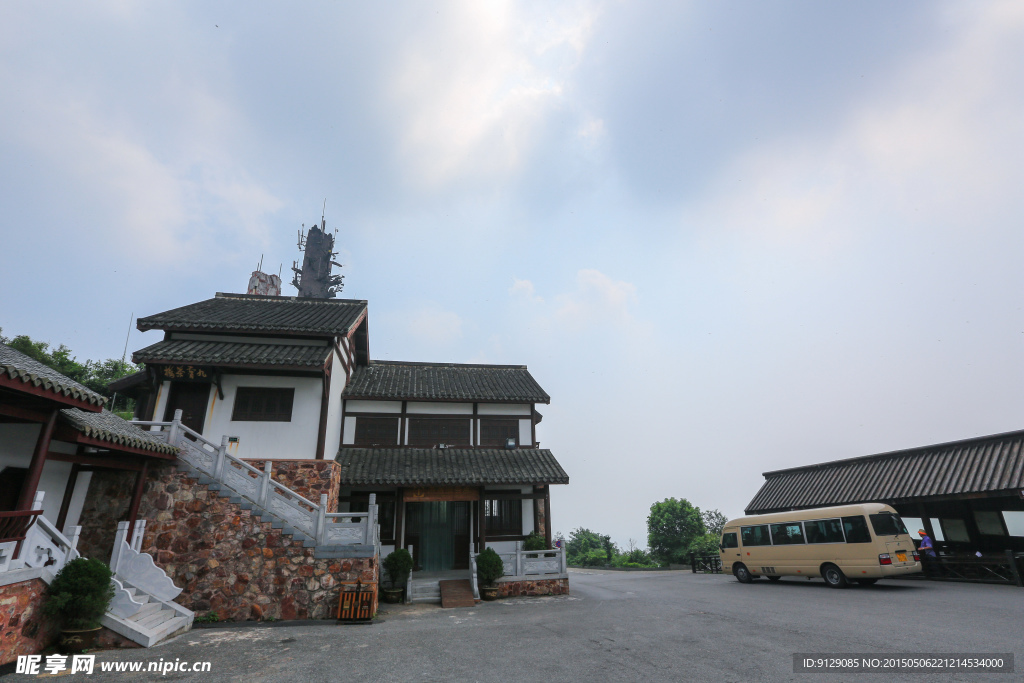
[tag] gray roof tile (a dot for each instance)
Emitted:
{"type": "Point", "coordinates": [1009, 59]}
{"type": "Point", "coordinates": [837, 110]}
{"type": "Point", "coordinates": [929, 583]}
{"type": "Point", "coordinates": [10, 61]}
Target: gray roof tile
{"type": "Point", "coordinates": [232, 354]}
{"type": "Point", "coordinates": [106, 426]}
{"type": "Point", "coordinates": [444, 382]}
{"type": "Point", "coordinates": [253, 313]}
{"type": "Point", "coordinates": [17, 365]}
{"type": "Point", "coordinates": [448, 466]}
{"type": "Point", "coordinates": [988, 463]}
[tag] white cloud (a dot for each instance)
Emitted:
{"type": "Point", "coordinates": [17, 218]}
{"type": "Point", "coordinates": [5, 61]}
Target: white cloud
{"type": "Point", "coordinates": [473, 89]}
{"type": "Point", "coordinates": [523, 290]}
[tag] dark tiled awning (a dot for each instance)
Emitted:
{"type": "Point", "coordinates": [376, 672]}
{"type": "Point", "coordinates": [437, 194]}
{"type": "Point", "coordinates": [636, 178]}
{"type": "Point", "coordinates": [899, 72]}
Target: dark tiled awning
{"type": "Point", "coordinates": [219, 353]}
{"type": "Point", "coordinates": [448, 466]}
{"type": "Point", "coordinates": [19, 372]}
{"type": "Point", "coordinates": [105, 426]}
{"type": "Point", "coordinates": [960, 468]}
{"type": "Point", "coordinates": [445, 382]}
{"type": "Point", "coordinates": [253, 313]}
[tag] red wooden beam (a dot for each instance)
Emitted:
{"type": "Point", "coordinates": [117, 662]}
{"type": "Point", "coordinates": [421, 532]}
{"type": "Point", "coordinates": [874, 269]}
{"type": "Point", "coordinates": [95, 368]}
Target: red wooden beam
{"type": "Point", "coordinates": [8, 382]}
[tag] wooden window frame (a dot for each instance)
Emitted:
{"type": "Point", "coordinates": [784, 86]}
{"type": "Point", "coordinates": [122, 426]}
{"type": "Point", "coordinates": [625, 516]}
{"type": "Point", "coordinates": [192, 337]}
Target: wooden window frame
{"type": "Point", "coordinates": [503, 518]}
{"type": "Point", "coordinates": [461, 439]}
{"type": "Point", "coordinates": [377, 438]}
{"type": "Point", "coordinates": [500, 429]}
{"type": "Point", "coordinates": [245, 413]}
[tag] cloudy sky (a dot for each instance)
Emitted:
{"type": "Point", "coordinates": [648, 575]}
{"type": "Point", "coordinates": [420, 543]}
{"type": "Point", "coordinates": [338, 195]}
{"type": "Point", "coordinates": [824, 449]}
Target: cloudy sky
{"type": "Point", "coordinates": [725, 237]}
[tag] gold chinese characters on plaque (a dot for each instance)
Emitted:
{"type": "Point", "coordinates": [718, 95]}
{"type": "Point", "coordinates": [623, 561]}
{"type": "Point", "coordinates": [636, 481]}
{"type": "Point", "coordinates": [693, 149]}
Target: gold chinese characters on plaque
{"type": "Point", "coordinates": [186, 373]}
{"type": "Point", "coordinates": [439, 493]}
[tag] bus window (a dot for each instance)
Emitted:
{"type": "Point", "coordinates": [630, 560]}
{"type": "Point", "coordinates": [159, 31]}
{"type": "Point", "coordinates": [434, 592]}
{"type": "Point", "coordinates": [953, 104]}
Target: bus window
{"type": "Point", "coordinates": [824, 531]}
{"type": "Point", "coordinates": [856, 529]}
{"type": "Point", "coordinates": [729, 540]}
{"type": "Point", "coordinates": [887, 524]}
{"type": "Point", "coordinates": [789, 533]}
{"type": "Point", "coordinates": [755, 535]}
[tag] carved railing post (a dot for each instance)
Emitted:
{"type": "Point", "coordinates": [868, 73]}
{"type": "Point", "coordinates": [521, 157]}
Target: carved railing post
{"type": "Point", "coordinates": [265, 484]}
{"type": "Point", "coordinates": [565, 569]}
{"type": "Point", "coordinates": [321, 520]}
{"type": "Point", "coordinates": [371, 519]}
{"type": "Point", "coordinates": [119, 544]}
{"type": "Point", "coordinates": [519, 558]}
{"type": "Point", "coordinates": [137, 534]}
{"type": "Point", "coordinates": [172, 434]}
{"type": "Point", "coordinates": [218, 471]}
{"type": "Point", "coordinates": [72, 533]}
{"type": "Point", "coordinates": [37, 502]}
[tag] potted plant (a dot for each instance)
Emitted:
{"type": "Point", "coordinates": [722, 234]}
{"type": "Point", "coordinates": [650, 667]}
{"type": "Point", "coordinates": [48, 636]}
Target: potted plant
{"type": "Point", "coordinates": [489, 568]}
{"type": "Point", "coordinates": [397, 566]}
{"type": "Point", "coordinates": [79, 597]}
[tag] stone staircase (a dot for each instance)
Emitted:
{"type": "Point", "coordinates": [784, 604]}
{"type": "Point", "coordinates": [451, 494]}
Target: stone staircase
{"type": "Point", "coordinates": [426, 590]}
{"type": "Point", "coordinates": [156, 620]}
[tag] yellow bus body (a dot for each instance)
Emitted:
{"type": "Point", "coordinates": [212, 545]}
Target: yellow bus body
{"type": "Point", "coordinates": [789, 554]}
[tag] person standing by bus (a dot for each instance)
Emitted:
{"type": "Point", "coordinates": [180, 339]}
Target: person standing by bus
{"type": "Point", "coordinates": [926, 548]}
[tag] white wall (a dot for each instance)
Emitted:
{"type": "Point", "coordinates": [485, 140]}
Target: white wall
{"type": "Point", "coordinates": [269, 440]}
{"type": "Point", "coordinates": [504, 409]}
{"type": "Point", "coordinates": [17, 441]}
{"type": "Point", "coordinates": [439, 408]}
{"type": "Point", "coordinates": [356, 406]}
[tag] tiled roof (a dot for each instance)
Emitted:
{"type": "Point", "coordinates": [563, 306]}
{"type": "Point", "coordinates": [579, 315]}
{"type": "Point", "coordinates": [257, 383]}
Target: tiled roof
{"type": "Point", "coordinates": [448, 466]}
{"type": "Point", "coordinates": [17, 365]}
{"type": "Point", "coordinates": [989, 463]}
{"type": "Point", "coordinates": [232, 353]}
{"type": "Point", "coordinates": [106, 426]}
{"type": "Point", "coordinates": [444, 382]}
{"type": "Point", "coordinates": [253, 313]}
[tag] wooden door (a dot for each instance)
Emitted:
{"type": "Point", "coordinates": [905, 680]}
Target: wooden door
{"type": "Point", "coordinates": [191, 398]}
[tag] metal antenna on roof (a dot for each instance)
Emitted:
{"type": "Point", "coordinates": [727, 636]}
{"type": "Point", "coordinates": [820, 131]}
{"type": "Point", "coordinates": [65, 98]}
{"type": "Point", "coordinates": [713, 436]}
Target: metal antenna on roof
{"type": "Point", "coordinates": [323, 222]}
{"type": "Point", "coordinates": [124, 354]}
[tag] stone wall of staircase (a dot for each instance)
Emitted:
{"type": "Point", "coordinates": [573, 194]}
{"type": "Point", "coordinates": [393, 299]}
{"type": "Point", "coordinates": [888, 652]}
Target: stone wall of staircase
{"type": "Point", "coordinates": [308, 478]}
{"type": "Point", "coordinates": [106, 504]}
{"type": "Point", "coordinates": [232, 563]}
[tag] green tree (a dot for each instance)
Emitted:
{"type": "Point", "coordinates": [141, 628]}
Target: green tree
{"type": "Point", "coordinates": [671, 528]}
{"type": "Point", "coordinates": [714, 521]}
{"type": "Point", "coordinates": [589, 548]}
{"type": "Point", "coordinates": [705, 545]}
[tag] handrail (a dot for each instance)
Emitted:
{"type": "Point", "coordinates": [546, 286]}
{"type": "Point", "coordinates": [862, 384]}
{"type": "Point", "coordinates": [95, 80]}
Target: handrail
{"type": "Point", "coordinates": [15, 525]}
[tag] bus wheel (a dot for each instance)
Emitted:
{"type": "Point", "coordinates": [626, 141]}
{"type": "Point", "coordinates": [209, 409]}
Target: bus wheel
{"type": "Point", "coordinates": [834, 576]}
{"type": "Point", "coordinates": [774, 578]}
{"type": "Point", "coordinates": [867, 582]}
{"type": "Point", "coordinates": [742, 574]}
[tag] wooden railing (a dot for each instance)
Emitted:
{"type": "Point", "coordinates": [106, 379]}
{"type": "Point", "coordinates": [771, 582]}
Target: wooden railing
{"type": "Point", "coordinates": [257, 486]}
{"type": "Point", "coordinates": [1005, 569]}
{"type": "Point", "coordinates": [14, 525]}
{"type": "Point", "coordinates": [705, 564]}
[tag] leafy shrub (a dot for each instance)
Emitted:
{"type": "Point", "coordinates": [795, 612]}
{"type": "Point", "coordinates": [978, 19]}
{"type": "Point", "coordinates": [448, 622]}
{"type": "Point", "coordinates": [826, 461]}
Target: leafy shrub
{"type": "Point", "coordinates": [397, 566]}
{"type": "Point", "coordinates": [489, 566]}
{"type": "Point", "coordinates": [212, 618]}
{"type": "Point", "coordinates": [80, 594]}
{"type": "Point", "coordinates": [704, 545]}
{"type": "Point", "coordinates": [535, 541]}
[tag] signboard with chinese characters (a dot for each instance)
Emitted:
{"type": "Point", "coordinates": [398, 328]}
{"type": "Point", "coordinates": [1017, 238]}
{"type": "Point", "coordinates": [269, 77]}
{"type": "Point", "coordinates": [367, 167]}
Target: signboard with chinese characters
{"type": "Point", "coordinates": [185, 373]}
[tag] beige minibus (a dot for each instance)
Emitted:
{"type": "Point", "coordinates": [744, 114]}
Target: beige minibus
{"type": "Point", "coordinates": [861, 543]}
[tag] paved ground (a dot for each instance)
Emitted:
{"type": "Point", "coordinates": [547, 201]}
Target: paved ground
{"type": "Point", "coordinates": [635, 626]}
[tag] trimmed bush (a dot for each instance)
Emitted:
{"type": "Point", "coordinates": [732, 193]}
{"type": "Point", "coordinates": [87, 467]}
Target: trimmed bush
{"type": "Point", "coordinates": [535, 542]}
{"type": "Point", "coordinates": [80, 594]}
{"type": "Point", "coordinates": [397, 566]}
{"type": "Point", "coordinates": [489, 567]}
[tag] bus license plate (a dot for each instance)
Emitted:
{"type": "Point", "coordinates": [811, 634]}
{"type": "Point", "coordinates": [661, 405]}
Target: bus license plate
{"type": "Point", "coordinates": [901, 556]}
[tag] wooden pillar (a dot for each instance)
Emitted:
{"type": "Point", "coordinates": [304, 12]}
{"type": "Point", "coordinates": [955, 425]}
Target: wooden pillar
{"type": "Point", "coordinates": [547, 514]}
{"type": "Point", "coordinates": [69, 491]}
{"type": "Point", "coordinates": [400, 517]}
{"type": "Point", "coordinates": [536, 509]}
{"type": "Point", "coordinates": [325, 403]}
{"type": "Point", "coordinates": [35, 469]}
{"type": "Point", "coordinates": [133, 509]}
{"type": "Point", "coordinates": [481, 520]}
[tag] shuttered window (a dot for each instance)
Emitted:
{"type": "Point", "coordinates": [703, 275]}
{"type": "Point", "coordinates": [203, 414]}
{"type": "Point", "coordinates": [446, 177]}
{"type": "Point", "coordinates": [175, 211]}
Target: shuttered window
{"type": "Point", "coordinates": [433, 431]}
{"type": "Point", "coordinates": [503, 517]}
{"type": "Point", "coordinates": [495, 432]}
{"type": "Point", "coordinates": [262, 404]}
{"type": "Point", "coordinates": [376, 431]}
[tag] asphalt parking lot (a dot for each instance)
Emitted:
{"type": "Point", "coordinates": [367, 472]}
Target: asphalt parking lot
{"type": "Point", "coordinates": [618, 626]}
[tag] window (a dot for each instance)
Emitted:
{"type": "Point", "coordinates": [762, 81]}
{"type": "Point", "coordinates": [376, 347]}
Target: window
{"type": "Point", "coordinates": [755, 535]}
{"type": "Point", "coordinates": [1014, 522]}
{"type": "Point", "coordinates": [955, 530]}
{"type": "Point", "coordinates": [729, 540]}
{"type": "Point", "coordinates": [937, 528]}
{"type": "Point", "coordinates": [433, 431]}
{"type": "Point", "coordinates": [824, 531]}
{"type": "Point", "coordinates": [856, 529]}
{"type": "Point", "coordinates": [887, 524]}
{"type": "Point", "coordinates": [789, 533]}
{"type": "Point", "coordinates": [376, 431]}
{"type": "Point", "coordinates": [494, 432]}
{"type": "Point", "coordinates": [261, 404]}
{"type": "Point", "coordinates": [989, 522]}
{"type": "Point", "coordinates": [503, 517]}
{"type": "Point", "coordinates": [385, 514]}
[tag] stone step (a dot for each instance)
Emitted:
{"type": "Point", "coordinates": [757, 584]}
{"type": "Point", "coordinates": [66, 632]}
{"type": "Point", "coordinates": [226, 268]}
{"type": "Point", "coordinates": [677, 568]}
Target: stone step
{"type": "Point", "coordinates": [147, 611]}
{"type": "Point", "coordinates": [417, 601]}
{"type": "Point", "coordinates": [170, 627]}
{"type": "Point", "coordinates": [151, 621]}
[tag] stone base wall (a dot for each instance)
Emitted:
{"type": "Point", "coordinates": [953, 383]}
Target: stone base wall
{"type": "Point", "coordinates": [110, 640]}
{"type": "Point", "coordinates": [515, 589]}
{"type": "Point", "coordinates": [106, 504]}
{"type": "Point", "coordinates": [233, 564]}
{"type": "Point", "coordinates": [23, 629]}
{"type": "Point", "coordinates": [308, 478]}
